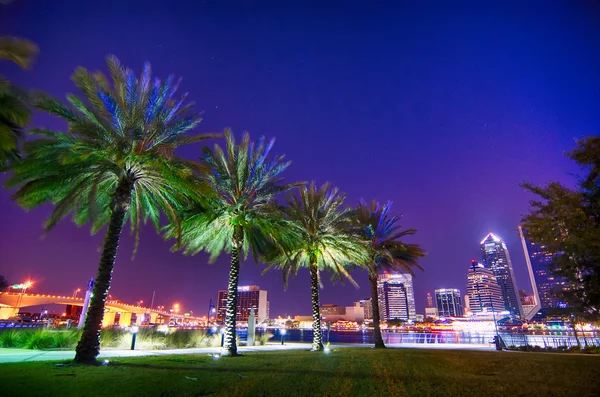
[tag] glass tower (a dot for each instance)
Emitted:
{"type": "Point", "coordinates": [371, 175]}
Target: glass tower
{"type": "Point", "coordinates": [396, 297]}
{"type": "Point", "coordinates": [547, 286]}
{"type": "Point", "coordinates": [449, 302]}
{"type": "Point", "coordinates": [483, 291]}
{"type": "Point", "coordinates": [496, 258]}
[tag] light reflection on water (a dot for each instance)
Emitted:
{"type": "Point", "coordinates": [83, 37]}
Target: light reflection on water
{"type": "Point", "coordinates": [553, 339]}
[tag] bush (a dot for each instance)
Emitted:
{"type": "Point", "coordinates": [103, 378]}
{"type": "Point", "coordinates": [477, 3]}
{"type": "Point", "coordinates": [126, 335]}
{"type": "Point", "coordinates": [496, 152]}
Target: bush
{"type": "Point", "coordinates": [264, 338]}
{"type": "Point", "coordinates": [183, 338]}
{"type": "Point", "coordinates": [66, 339]}
{"type": "Point", "coordinates": [10, 338]}
{"type": "Point", "coordinates": [114, 337]}
{"type": "Point", "coordinates": [39, 339]}
{"type": "Point", "coordinates": [558, 349]}
{"type": "Point", "coordinates": [150, 338]}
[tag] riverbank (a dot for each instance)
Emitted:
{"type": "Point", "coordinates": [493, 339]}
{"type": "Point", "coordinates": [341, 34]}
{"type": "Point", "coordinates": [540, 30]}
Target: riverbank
{"type": "Point", "coordinates": [26, 355]}
{"type": "Point", "coordinates": [342, 372]}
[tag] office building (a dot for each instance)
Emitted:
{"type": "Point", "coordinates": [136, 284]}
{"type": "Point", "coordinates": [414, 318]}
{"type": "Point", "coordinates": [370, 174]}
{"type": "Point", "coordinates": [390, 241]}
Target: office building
{"type": "Point", "coordinates": [396, 297]}
{"type": "Point", "coordinates": [483, 291]}
{"type": "Point", "coordinates": [249, 296]}
{"type": "Point", "coordinates": [448, 302]}
{"type": "Point", "coordinates": [333, 313]}
{"type": "Point", "coordinates": [495, 257]}
{"type": "Point", "coordinates": [367, 306]}
{"type": "Point", "coordinates": [547, 287]}
{"type": "Point", "coordinates": [431, 312]}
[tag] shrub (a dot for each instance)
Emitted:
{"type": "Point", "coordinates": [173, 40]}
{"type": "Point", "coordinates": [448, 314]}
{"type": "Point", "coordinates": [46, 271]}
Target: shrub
{"type": "Point", "coordinates": [10, 338]}
{"type": "Point", "coordinates": [183, 338]}
{"type": "Point", "coordinates": [150, 338]}
{"type": "Point", "coordinates": [66, 339]}
{"type": "Point", "coordinates": [114, 337]}
{"type": "Point", "coordinates": [264, 338]}
{"type": "Point", "coordinates": [39, 339]}
{"type": "Point", "coordinates": [591, 349]}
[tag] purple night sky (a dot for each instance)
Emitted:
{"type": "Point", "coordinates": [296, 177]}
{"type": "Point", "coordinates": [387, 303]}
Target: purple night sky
{"type": "Point", "coordinates": [442, 109]}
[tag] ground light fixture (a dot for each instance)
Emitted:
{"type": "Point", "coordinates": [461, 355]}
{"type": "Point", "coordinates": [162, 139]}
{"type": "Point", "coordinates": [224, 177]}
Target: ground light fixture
{"type": "Point", "coordinates": [134, 330]}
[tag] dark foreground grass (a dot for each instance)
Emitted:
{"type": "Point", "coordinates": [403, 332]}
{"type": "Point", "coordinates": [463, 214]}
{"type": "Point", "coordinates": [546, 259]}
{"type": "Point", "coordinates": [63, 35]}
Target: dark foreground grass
{"type": "Point", "coordinates": [345, 372]}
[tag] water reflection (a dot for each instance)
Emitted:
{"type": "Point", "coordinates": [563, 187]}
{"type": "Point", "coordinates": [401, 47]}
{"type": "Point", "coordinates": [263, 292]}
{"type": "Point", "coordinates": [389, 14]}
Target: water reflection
{"type": "Point", "coordinates": [553, 339]}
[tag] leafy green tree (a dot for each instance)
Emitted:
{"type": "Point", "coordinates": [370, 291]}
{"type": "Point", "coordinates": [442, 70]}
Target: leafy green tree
{"type": "Point", "coordinates": [3, 284]}
{"type": "Point", "coordinates": [567, 222]}
{"type": "Point", "coordinates": [14, 102]}
{"type": "Point", "coordinates": [382, 233]}
{"type": "Point", "coordinates": [319, 238]}
{"type": "Point", "coordinates": [238, 213]}
{"type": "Point", "coordinates": [114, 164]}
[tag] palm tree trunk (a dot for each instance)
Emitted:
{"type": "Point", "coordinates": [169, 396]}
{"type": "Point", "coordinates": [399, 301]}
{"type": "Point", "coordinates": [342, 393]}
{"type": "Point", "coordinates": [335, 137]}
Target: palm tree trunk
{"type": "Point", "coordinates": [314, 286]}
{"type": "Point", "coordinates": [375, 307]}
{"type": "Point", "coordinates": [230, 342]}
{"type": "Point", "coordinates": [88, 347]}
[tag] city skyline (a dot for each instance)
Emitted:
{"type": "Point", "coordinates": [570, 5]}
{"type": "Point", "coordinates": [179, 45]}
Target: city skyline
{"type": "Point", "coordinates": [440, 122]}
{"type": "Point", "coordinates": [221, 294]}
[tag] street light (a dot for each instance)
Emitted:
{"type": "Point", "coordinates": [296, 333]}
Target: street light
{"type": "Point", "coordinates": [75, 292]}
{"type": "Point", "coordinates": [283, 336]}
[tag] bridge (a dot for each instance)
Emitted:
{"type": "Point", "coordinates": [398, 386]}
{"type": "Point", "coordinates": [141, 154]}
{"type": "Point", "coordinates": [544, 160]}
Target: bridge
{"type": "Point", "coordinates": [11, 303]}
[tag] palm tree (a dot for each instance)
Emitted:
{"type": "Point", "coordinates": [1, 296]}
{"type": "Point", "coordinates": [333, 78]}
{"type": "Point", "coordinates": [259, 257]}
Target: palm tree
{"type": "Point", "coordinates": [14, 104]}
{"type": "Point", "coordinates": [18, 50]}
{"type": "Point", "coordinates": [382, 232]}
{"type": "Point", "coordinates": [319, 239]}
{"type": "Point", "coordinates": [114, 164]}
{"type": "Point", "coordinates": [237, 213]}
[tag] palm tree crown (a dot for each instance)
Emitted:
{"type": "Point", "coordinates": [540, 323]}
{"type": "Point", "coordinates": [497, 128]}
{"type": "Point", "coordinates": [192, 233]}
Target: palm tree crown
{"type": "Point", "coordinates": [124, 135]}
{"type": "Point", "coordinates": [14, 103]}
{"type": "Point", "coordinates": [237, 212]}
{"type": "Point", "coordinates": [319, 239]}
{"type": "Point", "coordinates": [115, 163]}
{"type": "Point", "coordinates": [382, 233]}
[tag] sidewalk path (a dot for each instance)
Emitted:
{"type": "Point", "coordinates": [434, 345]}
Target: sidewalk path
{"type": "Point", "coordinates": [23, 355]}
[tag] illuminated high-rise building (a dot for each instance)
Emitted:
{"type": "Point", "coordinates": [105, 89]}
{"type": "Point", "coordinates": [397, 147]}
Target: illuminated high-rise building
{"type": "Point", "coordinates": [249, 296]}
{"type": "Point", "coordinates": [495, 257]}
{"type": "Point", "coordinates": [449, 302]}
{"type": "Point", "coordinates": [546, 286]}
{"type": "Point", "coordinates": [484, 292]}
{"type": "Point", "coordinates": [396, 297]}
{"type": "Point", "coordinates": [367, 306]}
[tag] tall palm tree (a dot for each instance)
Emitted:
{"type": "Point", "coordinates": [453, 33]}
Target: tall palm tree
{"type": "Point", "coordinates": [382, 233]}
{"type": "Point", "coordinates": [114, 164]}
{"type": "Point", "coordinates": [320, 239]}
{"type": "Point", "coordinates": [237, 213]}
{"type": "Point", "coordinates": [14, 103]}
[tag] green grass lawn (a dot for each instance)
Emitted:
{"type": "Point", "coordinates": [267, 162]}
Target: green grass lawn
{"type": "Point", "coordinates": [345, 372]}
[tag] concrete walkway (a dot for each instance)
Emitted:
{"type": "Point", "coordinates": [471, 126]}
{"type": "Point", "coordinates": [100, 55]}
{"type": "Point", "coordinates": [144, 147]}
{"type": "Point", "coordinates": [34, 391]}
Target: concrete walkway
{"type": "Point", "coordinates": [25, 355]}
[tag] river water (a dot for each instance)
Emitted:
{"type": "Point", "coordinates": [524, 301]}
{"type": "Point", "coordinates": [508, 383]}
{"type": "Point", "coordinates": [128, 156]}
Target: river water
{"type": "Point", "coordinates": [553, 339]}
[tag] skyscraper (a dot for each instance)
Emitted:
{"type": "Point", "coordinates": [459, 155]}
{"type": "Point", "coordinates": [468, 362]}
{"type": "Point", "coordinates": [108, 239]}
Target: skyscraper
{"type": "Point", "coordinates": [449, 302]}
{"type": "Point", "coordinates": [483, 290]}
{"type": "Point", "coordinates": [249, 296]}
{"type": "Point", "coordinates": [396, 297]}
{"type": "Point", "coordinates": [496, 258]}
{"type": "Point", "coordinates": [546, 286]}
